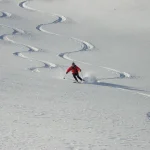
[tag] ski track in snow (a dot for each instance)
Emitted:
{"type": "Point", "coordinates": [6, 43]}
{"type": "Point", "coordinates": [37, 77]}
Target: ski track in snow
{"type": "Point", "coordinates": [5, 14]}
{"type": "Point", "coordinates": [59, 20]}
{"type": "Point", "coordinates": [85, 47]}
{"type": "Point", "coordinates": [30, 48]}
{"type": "Point", "coordinates": [23, 5]}
{"type": "Point", "coordinates": [60, 17]}
{"type": "Point", "coordinates": [58, 142]}
{"type": "Point", "coordinates": [148, 115]}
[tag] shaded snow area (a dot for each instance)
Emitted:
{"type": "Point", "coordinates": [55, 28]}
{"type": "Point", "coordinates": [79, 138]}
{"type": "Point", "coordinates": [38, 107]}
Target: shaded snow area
{"type": "Point", "coordinates": [41, 108]}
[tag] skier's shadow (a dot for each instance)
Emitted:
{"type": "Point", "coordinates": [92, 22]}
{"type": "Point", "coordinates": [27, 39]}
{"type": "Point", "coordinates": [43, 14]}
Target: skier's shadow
{"type": "Point", "coordinates": [112, 85]}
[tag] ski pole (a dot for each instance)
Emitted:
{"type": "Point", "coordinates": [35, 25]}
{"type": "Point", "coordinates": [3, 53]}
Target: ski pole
{"type": "Point", "coordinates": [82, 75]}
{"type": "Point", "coordinates": [64, 76]}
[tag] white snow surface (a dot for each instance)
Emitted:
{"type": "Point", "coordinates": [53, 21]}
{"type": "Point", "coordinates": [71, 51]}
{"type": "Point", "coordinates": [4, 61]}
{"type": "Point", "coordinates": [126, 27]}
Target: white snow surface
{"type": "Point", "coordinates": [108, 40]}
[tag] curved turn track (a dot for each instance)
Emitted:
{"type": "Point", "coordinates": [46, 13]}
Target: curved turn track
{"type": "Point", "coordinates": [5, 14]}
{"type": "Point", "coordinates": [16, 31]}
{"type": "Point", "coordinates": [85, 46]}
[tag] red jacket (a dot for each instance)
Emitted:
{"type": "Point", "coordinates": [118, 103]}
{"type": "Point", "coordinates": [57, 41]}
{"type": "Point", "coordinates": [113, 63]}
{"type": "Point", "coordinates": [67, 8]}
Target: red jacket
{"type": "Point", "coordinates": [74, 69]}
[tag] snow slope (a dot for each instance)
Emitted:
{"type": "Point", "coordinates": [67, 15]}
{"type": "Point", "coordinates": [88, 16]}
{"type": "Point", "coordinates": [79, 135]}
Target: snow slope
{"type": "Point", "coordinates": [109, 40]}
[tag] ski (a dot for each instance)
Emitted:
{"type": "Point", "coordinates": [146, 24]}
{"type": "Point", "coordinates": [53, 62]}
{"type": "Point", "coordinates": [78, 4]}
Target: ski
{"type": "Point", "coordinates": [76, 82]}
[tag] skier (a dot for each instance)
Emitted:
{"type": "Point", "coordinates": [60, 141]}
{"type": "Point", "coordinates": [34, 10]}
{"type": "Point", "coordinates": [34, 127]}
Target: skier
{"type": "Point", "coordinates": [75, 71]}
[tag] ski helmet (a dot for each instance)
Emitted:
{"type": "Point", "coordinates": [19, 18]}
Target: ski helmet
{"type": "Point", "coordinates": [73, 64]}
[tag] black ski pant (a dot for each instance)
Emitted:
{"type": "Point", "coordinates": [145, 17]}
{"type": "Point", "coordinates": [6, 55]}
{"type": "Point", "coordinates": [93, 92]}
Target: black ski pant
{"type": "Point", "coordinates": [76, 75]}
